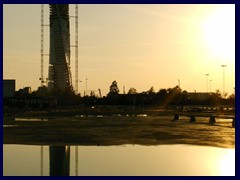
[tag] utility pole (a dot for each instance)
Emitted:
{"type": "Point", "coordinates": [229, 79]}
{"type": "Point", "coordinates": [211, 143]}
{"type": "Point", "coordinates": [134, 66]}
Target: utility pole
{"type": "Point", "coordinates": [86, 85]}
{"type": "Point", "coordinates": [207, 81]}
{"type": "Point", "coordinates": [210, 86]}
{"type": "Point", "coordinates": [223, 67]}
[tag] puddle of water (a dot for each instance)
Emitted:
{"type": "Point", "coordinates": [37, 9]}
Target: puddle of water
{"type": "Point", "coordinates": [142, 115]}
{"type": "Point", "coordinates": [30, 119]}
{"type": "Point", "coordinates": [161, 160]}
{"type": "Point", "coordinates": [9, 126]}
{"type": "Point", "coordinates": [223, 120]}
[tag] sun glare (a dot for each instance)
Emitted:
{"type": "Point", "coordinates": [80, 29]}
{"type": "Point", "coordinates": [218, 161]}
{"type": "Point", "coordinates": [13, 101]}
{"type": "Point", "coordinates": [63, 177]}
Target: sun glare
{"type": "Point", "coordinates": [219, 33]}
{"type": "Point", "coordinates": [227, 164]}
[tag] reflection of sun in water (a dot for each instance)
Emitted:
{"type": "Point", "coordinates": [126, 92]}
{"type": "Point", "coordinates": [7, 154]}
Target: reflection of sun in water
{"type": "Point", "coordinates": [219, 33]}
{"type": "Point", "coordinates": [227, 163]}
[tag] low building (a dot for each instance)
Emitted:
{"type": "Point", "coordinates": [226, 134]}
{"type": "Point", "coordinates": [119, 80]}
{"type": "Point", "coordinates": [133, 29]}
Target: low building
{"type": "Point", "coordinates": [9, 86]}
{"type": "Point", "coordinates": [26, 90]}
{"type": "Point", "coordinates": [34, 102]}
{"type": "Point", "coordinates": [199, 96]}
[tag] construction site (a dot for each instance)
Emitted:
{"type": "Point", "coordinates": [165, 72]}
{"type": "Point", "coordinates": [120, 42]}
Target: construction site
{"type": "Point", "coordinates": [59, 79]}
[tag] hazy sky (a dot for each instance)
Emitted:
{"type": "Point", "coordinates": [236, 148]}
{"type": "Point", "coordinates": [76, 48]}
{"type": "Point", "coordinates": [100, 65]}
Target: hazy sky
{"type": "Point", "coordinates": [137, 45]}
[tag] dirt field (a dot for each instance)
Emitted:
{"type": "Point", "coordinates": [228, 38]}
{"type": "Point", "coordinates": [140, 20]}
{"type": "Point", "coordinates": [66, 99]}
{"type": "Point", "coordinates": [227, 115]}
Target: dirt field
{"type": "Point", "coordinates": [143, 129]}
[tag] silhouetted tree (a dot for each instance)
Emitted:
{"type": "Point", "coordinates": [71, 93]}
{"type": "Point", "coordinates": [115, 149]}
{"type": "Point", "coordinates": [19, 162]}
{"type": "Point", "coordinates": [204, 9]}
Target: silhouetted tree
{"type": "Point", "coordinates": [162, 92]}
{"type": "Point", "coordinates": [173, 96]}
{"type": "Point", "coordinates": [114, 90]}
{"type": "Point", "coordinates": [225, 94]}
{"type": "Point", "coordinates": [231, 99]}
{"type": "Point", "coordinates": [161, 96]}
{"type": "Point", "coordinates": [92, 93]}
{"type": "Point", "coordinates": [218, 93]}
{"type": "Point", "coordinates": [132, 91]}
{"type": "Point", "coordinates": [151, 90]}
{"type": "Point", "coordinates": [184, 97]}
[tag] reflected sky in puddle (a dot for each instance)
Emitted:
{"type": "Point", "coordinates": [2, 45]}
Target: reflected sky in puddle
{"type": "Point", "coordinates": [31, 119]}
{"type": "Point", "coordinates": [10, 126]}
{"type": "Point", "coordinates": [132, 160]}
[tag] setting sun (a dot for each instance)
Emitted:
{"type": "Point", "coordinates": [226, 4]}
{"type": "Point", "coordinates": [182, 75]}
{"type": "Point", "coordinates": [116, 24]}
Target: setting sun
{"type": "Point", "coordinates": [163, 43]}
{"type": "Point", "coordinates": [219, 33]}
{"type": "Point", "coordinates": [119, 89]}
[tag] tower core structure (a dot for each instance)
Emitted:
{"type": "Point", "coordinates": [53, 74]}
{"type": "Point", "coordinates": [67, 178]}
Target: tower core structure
{"type": "Point", "coordinates": [59, 74]}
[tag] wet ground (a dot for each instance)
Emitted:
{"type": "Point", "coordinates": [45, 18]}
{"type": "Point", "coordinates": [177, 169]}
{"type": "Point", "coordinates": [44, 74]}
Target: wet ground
{"type": "Point", "coordinates": [101, 130]}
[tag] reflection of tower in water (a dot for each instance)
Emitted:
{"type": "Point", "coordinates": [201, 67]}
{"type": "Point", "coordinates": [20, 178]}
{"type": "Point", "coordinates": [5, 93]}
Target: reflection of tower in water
{"type": "Point", "coordinates": [59, 160]}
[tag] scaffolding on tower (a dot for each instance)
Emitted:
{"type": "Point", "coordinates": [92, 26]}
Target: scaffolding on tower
{"type": "Point", "coordinates": [59, 74]}
{"type": "Point", "coordinates": [42, 79]}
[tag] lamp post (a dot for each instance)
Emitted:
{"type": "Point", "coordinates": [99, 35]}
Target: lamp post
{"type": "Point", "coordinates": [210, 86]}
{"type": "Point", "coordinates": [207, 81]}
{"type": "Point", "coordinates": [223, 67]}
{"type": "Point", "coordinates": [80, 86]}
{"type": "Point", "coordinates": [86, 85]}
{"type": "Point", "coordinates": [178, 82]}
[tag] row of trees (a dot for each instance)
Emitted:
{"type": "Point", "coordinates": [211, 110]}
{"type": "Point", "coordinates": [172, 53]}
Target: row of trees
{"type": "Point", "coordinates": [170, 96]}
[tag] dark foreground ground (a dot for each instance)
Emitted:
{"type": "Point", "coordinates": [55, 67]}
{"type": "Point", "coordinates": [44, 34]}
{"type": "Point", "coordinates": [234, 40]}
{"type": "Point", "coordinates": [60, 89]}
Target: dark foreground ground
{"type": "Point", "coordinates": [142, 126]}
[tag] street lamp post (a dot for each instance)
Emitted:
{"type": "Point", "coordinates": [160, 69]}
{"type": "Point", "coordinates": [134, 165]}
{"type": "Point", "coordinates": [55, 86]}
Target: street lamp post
{"type": "Point", "coordinates": [178, 82]}
{"type": "Point", "coordinates": [210, 86]}
{"type": "Point", "coordinates": [207, 81]}
{"type": "Point", "coordinates": [223, 66]}
{"type": "Point", "coordinates": [80, 86]}
{"type": "Point", "coordinates": [86, 85]}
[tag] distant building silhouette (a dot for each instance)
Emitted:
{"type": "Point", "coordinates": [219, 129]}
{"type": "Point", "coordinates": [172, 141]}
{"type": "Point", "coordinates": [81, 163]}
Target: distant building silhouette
{"type": "Point", "coordinates": [59, 75]}
{"type": "Point", "coordinates": [9, 86]}
{"type": "Point", "coordinates": [199, 96]}
{"type": "Point", "coordinates": [26, 90]}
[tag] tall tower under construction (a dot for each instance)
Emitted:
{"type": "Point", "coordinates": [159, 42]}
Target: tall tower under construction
{"type": "Point", "coordinates": [59, 75]}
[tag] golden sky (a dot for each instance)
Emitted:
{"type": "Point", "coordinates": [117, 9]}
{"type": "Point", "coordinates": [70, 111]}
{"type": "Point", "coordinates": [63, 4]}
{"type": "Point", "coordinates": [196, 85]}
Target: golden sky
{"type": "Point", "coordinates": [137, 45]}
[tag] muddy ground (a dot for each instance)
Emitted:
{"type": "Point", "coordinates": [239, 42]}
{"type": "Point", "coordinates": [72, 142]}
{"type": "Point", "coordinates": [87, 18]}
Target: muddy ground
{"type": "Point", "coordinates": [142, 126]}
